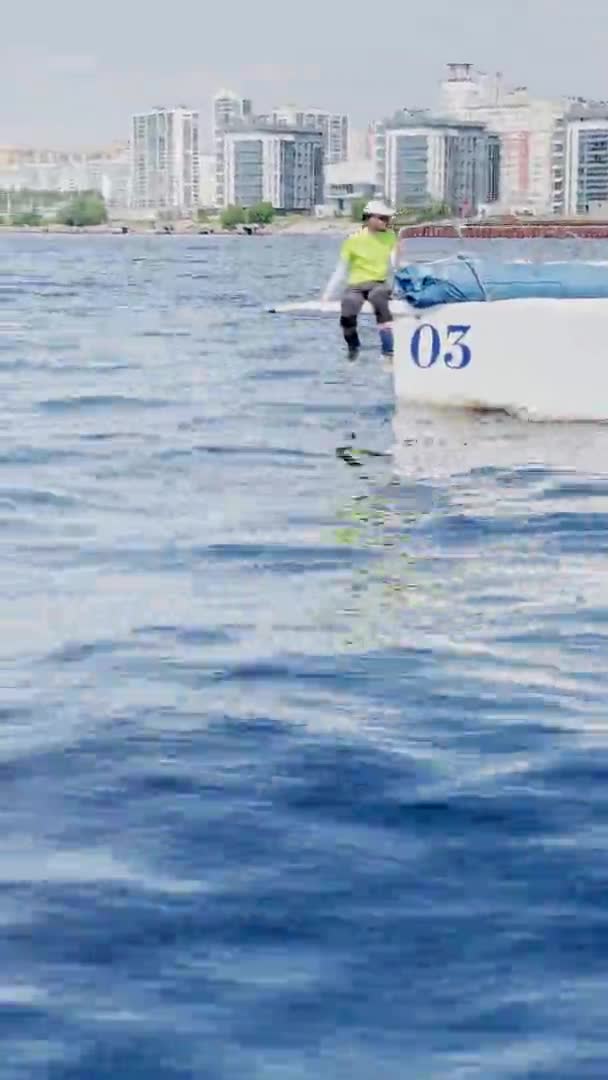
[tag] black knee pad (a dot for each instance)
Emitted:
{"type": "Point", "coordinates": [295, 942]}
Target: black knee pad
{"type": "Point", "coordinates": [348, 322]}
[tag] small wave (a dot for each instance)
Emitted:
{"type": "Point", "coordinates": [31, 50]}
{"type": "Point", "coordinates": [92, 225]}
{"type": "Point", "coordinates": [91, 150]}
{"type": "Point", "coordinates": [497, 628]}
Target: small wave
{"type": "Point", "coordinates": [35, 497]}
{"type": "Point", "coordinates": [36, 456]}
{"type": "Point", "coordinates": [187, 635]}
{"type": "Point", "coordinates": [280, 375]}
{"type": "Point", "coordinates": [101, 401]}
{"type": "Point", "coordinates": [78, 651]}
{"type": "Point", "coordinates": [281, 558]}
{"type": "Point", "coordinates": [164, 333]}
{"type": "Point", "coordinates": [247, 453]}
{"type": "Point", "coordinates": [53, 293]}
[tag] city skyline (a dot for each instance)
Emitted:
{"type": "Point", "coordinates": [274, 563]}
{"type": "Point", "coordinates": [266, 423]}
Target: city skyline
{"type": "Point", "coordinates": [490, 144]}
{"type": "Point", "coordinates": [80, 91]}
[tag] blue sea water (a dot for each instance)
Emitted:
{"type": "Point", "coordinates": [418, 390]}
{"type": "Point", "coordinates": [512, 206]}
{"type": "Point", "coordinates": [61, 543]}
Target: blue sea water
{"type": "Point", "coordinates": [304, 735]}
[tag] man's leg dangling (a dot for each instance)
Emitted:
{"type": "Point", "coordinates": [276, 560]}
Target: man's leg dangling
{"type": "Point", "coordinates": [350, 333]}
{"type": "Point", "coordinates": [352, 302]}
{"type": "Point", "coordinates": [379, 298]}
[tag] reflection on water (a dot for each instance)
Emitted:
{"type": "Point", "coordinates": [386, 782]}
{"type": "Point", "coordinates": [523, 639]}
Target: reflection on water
{"type": "Point", "coordinates": [461, 493]}
{"type": "Point", "coordinates": [452, 443]}
{"type": "Point", "coordinates": [380, 589]}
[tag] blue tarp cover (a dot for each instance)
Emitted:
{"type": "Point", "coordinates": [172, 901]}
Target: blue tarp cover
{"type": "Point", "coordinates": [463, 278]}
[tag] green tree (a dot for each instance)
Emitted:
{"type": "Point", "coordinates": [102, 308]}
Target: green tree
{"type": "Point", "coordinates": [27, 217]}
{"type": "Point", "coordinates": [438, 210]}
{"type": "Point", "coordinates": [202, 215]}
{"type": "Point", "coordinates": [433, 211]}
{"type": "Point", "coordinates": [260, 214]}
{"type": "Point", "coordinates": [233, 216]}
{"type": "Point", "coordinates": [86, 209]}
{"type": "Point", "coordinates": [356, 208]}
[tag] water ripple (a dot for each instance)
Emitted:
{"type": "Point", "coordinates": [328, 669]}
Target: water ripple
{"type": "Point", "coordinates": [304, 742]}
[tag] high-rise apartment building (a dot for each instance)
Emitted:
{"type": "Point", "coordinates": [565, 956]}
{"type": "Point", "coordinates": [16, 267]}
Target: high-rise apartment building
{"type": "Point", "coordinates": [229, 110]}
{"type": "Point", "coordinates": [422, 159]}
{"type": "Point", "coordinates": [526, 127]}
{"type": "Point", "coordinates": [279, 165]}
{"type": "Point", "coordinates": [586, 167]}
{"type": "Point", "coordinates": [333, 126]}
{"type": "Point", "coordinates": [361, 143]}
{"type": "Point", "coordinates": [206, 196]}
{"type": "Point", "coordinates": [105, 170]}
{"type": "Point", "coordinates": [165, 161]}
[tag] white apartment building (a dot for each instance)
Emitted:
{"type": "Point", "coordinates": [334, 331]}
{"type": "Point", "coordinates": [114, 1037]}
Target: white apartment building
{"type": "Point", "coordinates": [417, 166]}
{"type": "Point", "coordinates": [526, 128]}
{"type": "Point", "coordinates": [347, 181]}
{"type": "Point", "coordinates": [107, 172]}
{"type": "Point", "coordinates": [229, 110]}
{"type": "Point", "coordinates": [334, 127]}
{"type": "Point", "coordinates": [165, 161]}
{"type": "Point", "coordinates": [361, 143]}
{"type": "Point", "coordinates": [206, 192]}
{"type": "Point", "coordinates": [585, 169]}
{"type": "Point", "coordinates": [421, 159]}
{"type": "Point", "coordinates": [281, 166]}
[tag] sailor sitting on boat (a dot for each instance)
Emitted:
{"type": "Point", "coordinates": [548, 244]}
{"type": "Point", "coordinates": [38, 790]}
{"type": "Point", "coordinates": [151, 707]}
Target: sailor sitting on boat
{"type": "Point", "coordinates": [366, 264]}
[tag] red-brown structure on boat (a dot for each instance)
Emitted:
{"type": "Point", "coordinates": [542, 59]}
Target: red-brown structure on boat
{"type": "Point", "coordinates": [510, 229]}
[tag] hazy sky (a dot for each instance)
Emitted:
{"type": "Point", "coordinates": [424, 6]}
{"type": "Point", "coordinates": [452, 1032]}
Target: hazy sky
{"type": "Point", "coordinates": [72, 73]}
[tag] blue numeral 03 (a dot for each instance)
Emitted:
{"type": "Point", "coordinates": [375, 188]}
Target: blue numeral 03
{"type": "Point", "coordinates": [461, 357]}
{"type": "Point", "coordinates": [426, 347]}
{"type": "Point", "coordinates": [432, 357]}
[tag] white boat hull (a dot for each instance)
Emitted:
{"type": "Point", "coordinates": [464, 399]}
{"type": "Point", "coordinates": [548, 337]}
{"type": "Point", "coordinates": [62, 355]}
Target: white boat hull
{"type": "Point", "coordinates": [544, 359]}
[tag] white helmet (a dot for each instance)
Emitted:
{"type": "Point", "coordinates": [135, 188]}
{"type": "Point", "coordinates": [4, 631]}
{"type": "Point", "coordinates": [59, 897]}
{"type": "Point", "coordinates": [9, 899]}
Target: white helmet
{"type": "Point", "coordinates": [377, 208]}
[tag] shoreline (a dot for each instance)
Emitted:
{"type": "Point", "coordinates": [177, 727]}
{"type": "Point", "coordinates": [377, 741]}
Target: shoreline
{"type": "Point", "coordinates": [556, 229]}
{"type": "Point", "coordinates": [311, 227]}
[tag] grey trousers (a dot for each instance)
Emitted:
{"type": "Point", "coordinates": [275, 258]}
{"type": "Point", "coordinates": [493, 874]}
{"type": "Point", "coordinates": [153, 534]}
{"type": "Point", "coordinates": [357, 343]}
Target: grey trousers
{"type": "Point", "coordinates": [377, 292]}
